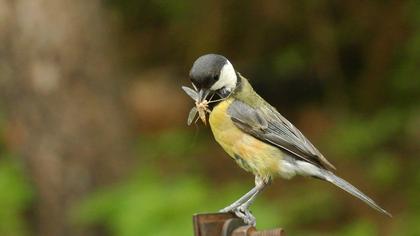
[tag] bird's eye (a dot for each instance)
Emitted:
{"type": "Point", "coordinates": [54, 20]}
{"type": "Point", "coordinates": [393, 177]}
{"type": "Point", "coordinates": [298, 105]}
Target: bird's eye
{"type": "Point", "coordinates": [215, 77]}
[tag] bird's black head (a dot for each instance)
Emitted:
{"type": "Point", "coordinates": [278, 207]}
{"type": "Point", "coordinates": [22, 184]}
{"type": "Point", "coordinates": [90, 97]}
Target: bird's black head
{"type": "Point", "coordinates": [213, 73]}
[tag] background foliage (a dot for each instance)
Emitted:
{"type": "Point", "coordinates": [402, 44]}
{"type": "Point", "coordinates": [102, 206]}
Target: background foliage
{"type": "Point", "coordinates": [346, 73]}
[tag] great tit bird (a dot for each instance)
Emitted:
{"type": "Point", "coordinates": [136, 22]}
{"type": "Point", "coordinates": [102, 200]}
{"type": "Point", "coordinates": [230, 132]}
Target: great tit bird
{"type": "Point", "coordinates": [257, 136]}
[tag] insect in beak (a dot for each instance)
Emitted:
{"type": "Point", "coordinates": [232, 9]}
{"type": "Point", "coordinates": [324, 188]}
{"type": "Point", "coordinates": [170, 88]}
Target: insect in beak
{"type": "Point", "coordinates": [201, 104]}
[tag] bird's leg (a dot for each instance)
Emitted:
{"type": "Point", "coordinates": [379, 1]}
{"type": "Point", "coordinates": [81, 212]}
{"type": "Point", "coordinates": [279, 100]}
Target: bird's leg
{"type": "Point", "coordinates": [243, 210]}
{"type": "Point", "coordinates": [240, 201]}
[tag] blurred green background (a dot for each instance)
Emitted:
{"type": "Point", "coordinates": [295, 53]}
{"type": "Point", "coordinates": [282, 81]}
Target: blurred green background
{"type": "Point", "coordinates": [93, 128]}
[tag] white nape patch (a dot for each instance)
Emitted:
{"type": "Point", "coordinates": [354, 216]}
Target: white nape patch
{"type": "Point", "coordinates": [227, 78]}
{"type": "Point", "coordinates": [292, 168]}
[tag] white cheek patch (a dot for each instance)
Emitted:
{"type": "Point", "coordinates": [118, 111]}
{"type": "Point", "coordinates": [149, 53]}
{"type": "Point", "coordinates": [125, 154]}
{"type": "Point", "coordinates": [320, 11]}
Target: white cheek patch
{"type": "Point", "coordinates": [227, 78]}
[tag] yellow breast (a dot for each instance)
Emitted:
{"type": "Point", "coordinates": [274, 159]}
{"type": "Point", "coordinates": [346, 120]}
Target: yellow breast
{"type": "Point", "coordinates": [250, 153]}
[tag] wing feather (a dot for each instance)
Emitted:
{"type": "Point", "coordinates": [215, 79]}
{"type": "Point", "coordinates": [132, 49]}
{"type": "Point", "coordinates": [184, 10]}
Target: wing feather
{"type": "Point", "coordinates": [268, 125]}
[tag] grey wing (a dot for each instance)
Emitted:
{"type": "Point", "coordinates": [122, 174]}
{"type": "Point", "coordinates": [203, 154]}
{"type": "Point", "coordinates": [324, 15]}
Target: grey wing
{"type": "Point", "coordinates": [268, 125]}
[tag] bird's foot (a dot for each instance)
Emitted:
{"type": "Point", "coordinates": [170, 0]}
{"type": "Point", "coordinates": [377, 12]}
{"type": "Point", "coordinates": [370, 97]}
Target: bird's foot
{"type": "Point", "coordinates": [241, 212]}
{"type": "Point", "coordinates": [244, 213]}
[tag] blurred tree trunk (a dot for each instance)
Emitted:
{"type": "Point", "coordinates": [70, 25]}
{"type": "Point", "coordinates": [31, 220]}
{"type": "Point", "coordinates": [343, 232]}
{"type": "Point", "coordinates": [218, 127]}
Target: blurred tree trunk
{"type": "Point", "coordinates": [61, 95]}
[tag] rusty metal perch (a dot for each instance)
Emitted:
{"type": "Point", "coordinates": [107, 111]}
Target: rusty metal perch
{"type": "Point", "coordinates": [227, 224]}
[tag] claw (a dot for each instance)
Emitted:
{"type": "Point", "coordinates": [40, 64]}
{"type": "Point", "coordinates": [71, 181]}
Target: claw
{"type": "Point", "coordinates": [245, 215]}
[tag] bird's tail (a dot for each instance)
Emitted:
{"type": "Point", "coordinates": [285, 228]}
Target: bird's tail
{"type": "Point", "coordinates": [346, 186]}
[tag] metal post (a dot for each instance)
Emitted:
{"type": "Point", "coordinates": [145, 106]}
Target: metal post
{"type": "Point", "coordinates": [227, 224]}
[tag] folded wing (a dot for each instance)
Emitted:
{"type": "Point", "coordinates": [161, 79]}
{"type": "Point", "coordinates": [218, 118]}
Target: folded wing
{"type": "Point", "coordinates": [268, 125]}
